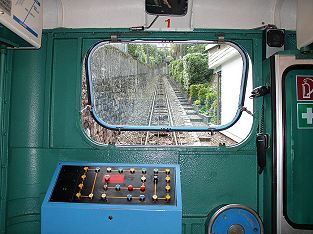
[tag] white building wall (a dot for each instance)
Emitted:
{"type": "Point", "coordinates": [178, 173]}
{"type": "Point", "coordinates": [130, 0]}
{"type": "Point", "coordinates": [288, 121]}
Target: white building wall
{"type": "Point", "coordinates": [230, 88]}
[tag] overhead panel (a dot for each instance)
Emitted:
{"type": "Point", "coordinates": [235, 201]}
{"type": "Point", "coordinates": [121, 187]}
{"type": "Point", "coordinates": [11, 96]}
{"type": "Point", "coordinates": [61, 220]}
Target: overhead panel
{"type": "Point", "coordinates": [200, 14]}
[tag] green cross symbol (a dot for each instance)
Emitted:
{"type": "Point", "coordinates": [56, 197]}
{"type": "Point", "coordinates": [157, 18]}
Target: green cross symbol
{"type": "Point", "coordinates": [308, 115]}
{"type": "Point", "coordinates": [305, 115]}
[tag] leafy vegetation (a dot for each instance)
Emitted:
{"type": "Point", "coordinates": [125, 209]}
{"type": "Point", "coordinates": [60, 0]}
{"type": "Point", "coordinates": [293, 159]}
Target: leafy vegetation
{"type": "Point", "coordinates": [148, 53]}
{"type": "Point", "coordinates": [196, 69]}
{"type": "Point", "coordinates": [197, 48]}
{"type": "Point", "coordinates": [211, 105]}
{"type": "Point", "coordinates": [189, 67]}
{"type": "Point", "coordinates": [202, 94]}
{"type": "Point", "coordinates": [193, 91]}
{"type": "Point", "coordinates": [176, 69]}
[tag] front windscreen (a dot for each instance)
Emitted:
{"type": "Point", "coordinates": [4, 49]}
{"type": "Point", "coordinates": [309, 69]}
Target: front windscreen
{"type": "Point", "coordinates": [172, 86]}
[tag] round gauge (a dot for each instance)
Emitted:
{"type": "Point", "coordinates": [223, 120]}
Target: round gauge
{"type": "Point", "coordinates": [235, 219]}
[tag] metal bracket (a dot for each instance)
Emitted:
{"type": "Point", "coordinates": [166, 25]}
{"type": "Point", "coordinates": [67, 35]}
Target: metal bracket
{"type": "Point", "coordinates": [87, 107]}
{"type": "Point", "coordinates": [220, 39]}
{"type": "Point", "coordinates": [242, 109]}
{"type": "Point", "coordinates": [114, 38]}
{"type": "Point", "coordinates": [141, 28]}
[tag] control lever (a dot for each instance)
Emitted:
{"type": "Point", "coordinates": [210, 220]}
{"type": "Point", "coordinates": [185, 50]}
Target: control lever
{"type": "Point", "coordinates": [261, 147]}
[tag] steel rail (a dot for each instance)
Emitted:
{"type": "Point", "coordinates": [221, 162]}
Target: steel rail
{"type": "Point", "coordinates": [160, 91]}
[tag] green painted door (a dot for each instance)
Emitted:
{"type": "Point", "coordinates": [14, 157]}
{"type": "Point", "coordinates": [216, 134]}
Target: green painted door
{"type": "Point", "coordinates": [298, 145]}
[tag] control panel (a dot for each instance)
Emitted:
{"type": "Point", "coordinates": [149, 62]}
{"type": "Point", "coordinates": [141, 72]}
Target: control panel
{"type": "Point", "coordinates": [115, 185]}
{"type": "Point", "coordinates": [116, 196]}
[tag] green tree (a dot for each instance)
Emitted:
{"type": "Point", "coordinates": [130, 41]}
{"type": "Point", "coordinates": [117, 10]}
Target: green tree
{"type": "Point", "coordinates": [196, 48]}
{"type": "Point", "coordinates": [148, 53]}
{"type": "Point", "coordinates": [196, 69]}
{"type": "Point", "coordinates": [176, 70]}
{"type": "Point", "coordinates": [138, 52]}
{"type": "Point", "coordinates": [193, 90]}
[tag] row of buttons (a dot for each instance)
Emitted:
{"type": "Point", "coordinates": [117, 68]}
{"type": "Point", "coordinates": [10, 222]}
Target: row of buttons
{"type": "Point", "coordinates": [143, 170]}
{"type": "Point", "coordinates": [131, 188]}
{"type": "Point", "coordinates": [143, 178]}
{"type": "Point", "coordinates": [131, 170]}
{"type": "Point", "coordinates": [129, 197]}
{"type": "Point", "coordinates": [142, 197]}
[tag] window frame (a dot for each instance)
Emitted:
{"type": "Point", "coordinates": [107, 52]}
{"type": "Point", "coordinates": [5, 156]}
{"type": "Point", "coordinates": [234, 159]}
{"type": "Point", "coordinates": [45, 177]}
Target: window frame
{"type": "Point", "coordinates": [213, 128]}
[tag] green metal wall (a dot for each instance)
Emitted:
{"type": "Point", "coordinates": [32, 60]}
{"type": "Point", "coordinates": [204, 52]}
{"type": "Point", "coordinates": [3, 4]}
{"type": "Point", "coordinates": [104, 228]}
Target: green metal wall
{"type": "Point", "coordinates": [45, 128]}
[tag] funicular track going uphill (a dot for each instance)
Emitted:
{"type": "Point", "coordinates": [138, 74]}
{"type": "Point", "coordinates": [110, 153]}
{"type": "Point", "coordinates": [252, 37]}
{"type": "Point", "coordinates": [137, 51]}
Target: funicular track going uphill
{"type": "Point", "coordinates": [160, 115]}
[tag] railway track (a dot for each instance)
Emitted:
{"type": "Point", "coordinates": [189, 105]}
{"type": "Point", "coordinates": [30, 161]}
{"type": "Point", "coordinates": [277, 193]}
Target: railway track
{"type": "Point", "coordinates": [161, 115]}
{"type": "Point", "coordinates": [168, 100]}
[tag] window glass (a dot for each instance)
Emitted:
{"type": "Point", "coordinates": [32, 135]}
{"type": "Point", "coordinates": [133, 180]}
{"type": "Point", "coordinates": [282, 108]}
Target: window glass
{"type": "Point", "coordinates": [168, 86]}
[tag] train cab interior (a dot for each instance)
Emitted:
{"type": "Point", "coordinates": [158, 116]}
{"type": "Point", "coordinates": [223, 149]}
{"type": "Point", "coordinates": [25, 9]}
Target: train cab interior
{"type": "Point", "coordinates": [156, 116]}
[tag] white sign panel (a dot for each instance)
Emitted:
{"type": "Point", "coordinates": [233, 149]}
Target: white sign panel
{"type": "Point", "coordinates": [24, 17]}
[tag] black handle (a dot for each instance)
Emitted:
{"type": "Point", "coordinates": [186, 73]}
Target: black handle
{"type": "Point", "coordinates": [261, 147]}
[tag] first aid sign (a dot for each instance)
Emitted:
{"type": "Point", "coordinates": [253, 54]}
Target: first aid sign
{"type": "Point", "coordinates": [305, 115]}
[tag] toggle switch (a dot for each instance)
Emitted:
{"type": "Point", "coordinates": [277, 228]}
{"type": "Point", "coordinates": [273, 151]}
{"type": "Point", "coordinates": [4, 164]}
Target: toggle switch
{"type": "Point", "coordinates": [142, 197]}
{"type": "Point", "coordinates": [154, 197]}
{"type": "Point", "coordinates": [97, 169]}
{"type": "Point", "coordinates": [144, 171]}
{"type": "Point", "coordinates": [132, 170]}
{"type": "Point", "coordinates": [167, 179]}
{"type": "Point", "coordinates": [167, 171]}
{"type": "Point", "coordinates": [103, 196]}
{"type": "Point", "coordinates": [90, 196]}
{"type": "Point", "coordinates": [109, 169]}
{"type": "Point", "coordinates": [143, 179]}
{"type": "Point", "coordinates": [78, 195]}
{"type": "Point", "coordinates": [130, 188]}
{"type": "Point", "coordinates": [167, 188]}
{"type": "Point", "coordinates": [83, 177]}
{"type": "Point", "coordinates": [167, 198]}
{"type": "Point", "coordinates": [155, 170]}
{"type": "Point", "coordinates": [155, 179]}
{"type": "Point", "coordinates": [85, 168]}
{"type": "Point", "coordinates": [142, 188]}
{"type": "Point", "coordinates": [81, 185]}
{"type": "Point", "coordinates": [105, 187]}
{"type": "Point", "coordinates": [117, 187]}
{"type": "Point", "coordinates": [120, 170]}
{"type": "Point", "coordinates": [129, 197]}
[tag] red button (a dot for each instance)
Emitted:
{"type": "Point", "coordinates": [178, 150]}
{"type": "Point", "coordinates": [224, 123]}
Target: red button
{"type": "Point", "coordinates": [130, 188]}
{"type": "Point", "coordinates": [106, 178]}
{"type": "Point", "coordinates": [142, 188]}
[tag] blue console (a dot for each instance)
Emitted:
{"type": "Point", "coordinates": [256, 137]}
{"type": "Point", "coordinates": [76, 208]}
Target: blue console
{"type": "Point", "coordinates": [113, 198]}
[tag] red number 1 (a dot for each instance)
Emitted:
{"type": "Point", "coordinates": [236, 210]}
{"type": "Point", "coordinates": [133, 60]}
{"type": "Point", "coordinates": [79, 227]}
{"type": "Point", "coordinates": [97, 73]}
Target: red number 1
{"type": "Point", "coordinates": [168, 23]}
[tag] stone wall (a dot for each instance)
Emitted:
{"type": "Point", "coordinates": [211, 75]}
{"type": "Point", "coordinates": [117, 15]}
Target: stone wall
{"type": "Point", "coordinates": [123, 89]}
